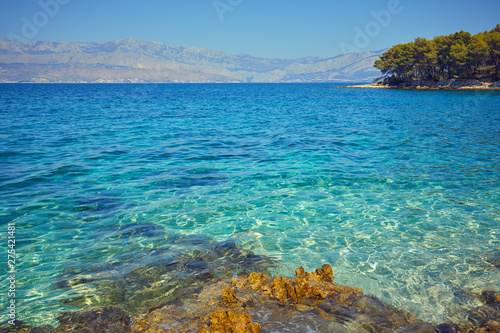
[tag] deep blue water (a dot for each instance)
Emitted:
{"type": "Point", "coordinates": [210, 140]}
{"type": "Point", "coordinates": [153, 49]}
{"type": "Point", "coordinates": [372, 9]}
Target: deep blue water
{"type": "Point", "coordinates": [397, 190]}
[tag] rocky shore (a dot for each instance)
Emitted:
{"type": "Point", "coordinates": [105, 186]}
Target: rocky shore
{"type": "Point", "coordinates": [257, 302]}
{"type": "Point", "coordinates": [451, 84]}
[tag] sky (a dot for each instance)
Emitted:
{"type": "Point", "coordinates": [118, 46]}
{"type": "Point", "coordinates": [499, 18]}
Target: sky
{"type": "Point", "coordinates": [263, 28]}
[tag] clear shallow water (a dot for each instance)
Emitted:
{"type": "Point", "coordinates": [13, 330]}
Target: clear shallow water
{"type": "Point", "coordinates": [397, 190]}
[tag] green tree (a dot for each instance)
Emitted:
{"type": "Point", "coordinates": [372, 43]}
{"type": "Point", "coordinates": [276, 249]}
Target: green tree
{"type": "Point", "coordinates": [479, 53]}
{"type": "Point", "coordinates": [458, 59]}
{"type": "Point", "coordinates": [425, 56]}
{"type": "Point", "coordinates": [459, 55]}
{"type": "Point", "coordinates": [493, 40]}
{"type": "Point", "coordinates": [443, 44]}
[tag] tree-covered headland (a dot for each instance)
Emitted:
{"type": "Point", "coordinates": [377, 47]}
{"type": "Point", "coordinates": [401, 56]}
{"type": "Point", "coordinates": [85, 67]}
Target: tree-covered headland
{"type": "Point", "coordinates": [456, 56]}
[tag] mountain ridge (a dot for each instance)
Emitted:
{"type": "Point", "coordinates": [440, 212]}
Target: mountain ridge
{"type": "Point", "coordinates": [135, 60]}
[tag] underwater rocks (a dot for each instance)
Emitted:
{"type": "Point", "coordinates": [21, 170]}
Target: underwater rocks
{"type": "Point", "coordinates": [257, 302]}
{"type": "Point", "coordinates": [109, 319]}
{"type": "Point", "coordinates": [485, 318]}
{"type": "Point", "coordinates": [100, 320]}
{"type": "Point", "coordinates": [159, 276]}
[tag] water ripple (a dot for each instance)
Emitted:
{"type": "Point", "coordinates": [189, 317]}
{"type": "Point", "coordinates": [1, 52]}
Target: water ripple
{"type": "Point", "coordinates": [398, 190]}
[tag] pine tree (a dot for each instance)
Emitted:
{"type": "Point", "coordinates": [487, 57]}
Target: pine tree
{"type": "Point", "coordinates": [459, 55]}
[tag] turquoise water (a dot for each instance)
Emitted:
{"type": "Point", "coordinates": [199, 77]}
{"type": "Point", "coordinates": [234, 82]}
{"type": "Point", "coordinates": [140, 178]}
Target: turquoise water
{"type": "Point", "coordinates": [397, 190]}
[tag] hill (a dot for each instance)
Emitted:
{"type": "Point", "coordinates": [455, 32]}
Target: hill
{"type": "Point", "coordinates": [134, 60]}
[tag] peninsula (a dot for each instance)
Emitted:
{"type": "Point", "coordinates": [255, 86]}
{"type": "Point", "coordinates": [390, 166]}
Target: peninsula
{"type": "Point", "coordinates": [456, 61]}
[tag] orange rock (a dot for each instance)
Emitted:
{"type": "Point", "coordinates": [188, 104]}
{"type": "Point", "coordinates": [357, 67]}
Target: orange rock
{"type": "Point", "coordinates": [327, 273]}
{"type": "Point", "coordinates": [226, 321]}
{"type": "Point", "coordinates": [290, 290]}
{"type": "Point", "coordinates": [229, 298]}
{"type": "Point", "coordinates": [258, 281]}
{"type": "Point", "coordinates": [302, 287]}
{"type": "Point", "coordinates": [300, 273]}
{"type": "Point", "coordinates": [256, 277]}
{"type": "Point", "coordinates": [344, 294]}
{"type": "Point", "coordinates": [317, 292]}
{"type": "Point", "coordinates": [278, 288]}
{"type": "Point", "coordinates": [323, 274]}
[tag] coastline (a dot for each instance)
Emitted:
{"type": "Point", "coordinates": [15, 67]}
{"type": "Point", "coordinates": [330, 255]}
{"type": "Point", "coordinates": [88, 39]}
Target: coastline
{"type": "Point", "coordinates": [432, 85]}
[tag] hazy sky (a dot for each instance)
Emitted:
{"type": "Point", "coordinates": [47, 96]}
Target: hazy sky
{"type": "Point", "coordinates": [267, 28]}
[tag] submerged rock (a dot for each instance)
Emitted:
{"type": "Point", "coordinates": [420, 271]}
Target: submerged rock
{"type": "Point", "coordinates": [161, 276]}
{"type": "Point", "coordinates": [100, 320]}
{"type": "Point", "coordinates": [109, 319]}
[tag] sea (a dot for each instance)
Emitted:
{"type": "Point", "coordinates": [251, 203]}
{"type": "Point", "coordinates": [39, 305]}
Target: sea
{"type": "Point", "coordinates": [103, 184]}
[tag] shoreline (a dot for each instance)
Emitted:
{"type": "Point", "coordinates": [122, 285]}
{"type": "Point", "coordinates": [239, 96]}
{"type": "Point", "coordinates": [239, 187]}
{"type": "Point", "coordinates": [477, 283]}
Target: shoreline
{"type": "Point", "coordinates": [432, 85]}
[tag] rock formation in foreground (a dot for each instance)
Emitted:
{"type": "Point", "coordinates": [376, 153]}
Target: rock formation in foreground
{"type": "Point", "coordinates": [257, 302]}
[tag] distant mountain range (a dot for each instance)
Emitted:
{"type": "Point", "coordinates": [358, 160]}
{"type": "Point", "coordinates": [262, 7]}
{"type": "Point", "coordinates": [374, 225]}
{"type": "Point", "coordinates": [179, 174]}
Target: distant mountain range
{"type": "Point", "coordinates": [134, 60]}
